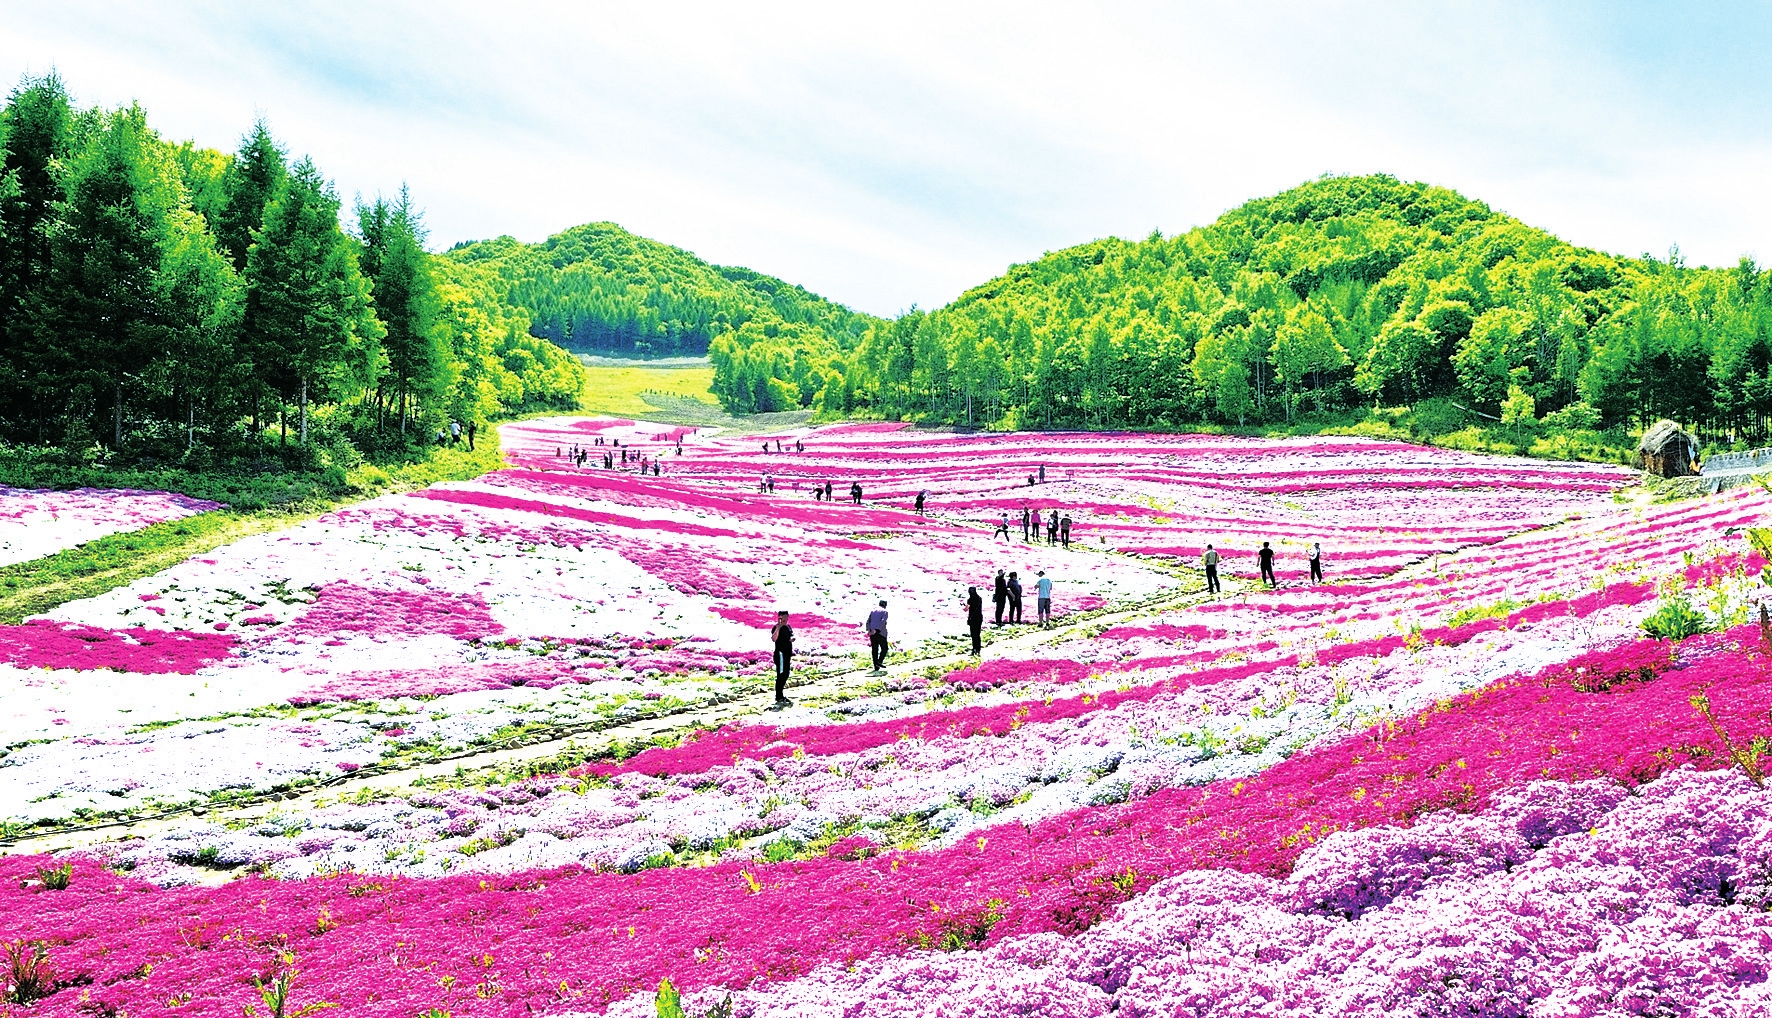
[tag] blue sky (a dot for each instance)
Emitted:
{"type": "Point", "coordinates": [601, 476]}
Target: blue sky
{"type": "Point", "coordinates": [897, 154]}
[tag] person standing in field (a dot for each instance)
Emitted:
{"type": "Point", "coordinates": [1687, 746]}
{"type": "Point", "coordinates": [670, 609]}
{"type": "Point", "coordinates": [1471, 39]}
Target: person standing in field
{"type": "Point", "coordinates": [1052, 527]}
{"type": "Point", "coordinates": [827, 491]}
{"type": "Point", "coordinates": [855, 492]}
{"type": "Point", "coordinates": [1064, 530]}
{"type": "Point", "coordinates": [975, 618]}
{"type": "Point", "coordinates": [1042, 473]}
{"type": "Point", "coordinates": [1014, 599]}
{"type": "Point", "coordinates": [1266, 558]}
{"type": "Point", "coordinates": [472, 427]}
{"type": "Point", "coordinates": [876, 626]}
{"type": "Point", "coordinates": [1024, 522]}
{"type": "Point", "coordinates": [1000, 595]}
{"type": "Point", "coordinates": [1044, 605]}
{"type": "Point", "coordinates": [1036, 530]}
{"type": "Point", "coordinates": [1316, 557]}
{"type": "Point", "coordinates": [454, 433]}
{"type": "Point", "coordinates": [921, 495]}
{"type": "Point", "coordinates": [783, 635]}
{"type": "Point", "coordinates": [1210, 560]}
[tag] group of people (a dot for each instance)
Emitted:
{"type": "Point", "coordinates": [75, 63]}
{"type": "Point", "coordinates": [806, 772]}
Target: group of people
{"type": "Point", "coordinates": [1264, 560]}
{"type": "Point", "coordinates": [799, 446]}
{"type": "Point", "coordinates": [1006, 594]}
{"type": "Point", "coordinates": [781, 635]}
{"type": "Point", "coordinates": [822, 492]}
{"type": "Point", "coordinates": [453, 434]}
{"type": "Point", "coordinates": [1057, 526]}
{"type": "Point", "coordinates": [578, 455]}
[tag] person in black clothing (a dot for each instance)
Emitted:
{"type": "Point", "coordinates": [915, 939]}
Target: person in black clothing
{"type": "Point", "coordinates": [1316, 557]}
{"type": "Point", "coordinates": [1024, 523]}
{"type": "Point", "coordinates": [827, 491]}
{"type": "Point", "coordinates": [877, 643]}
{"type": "Point", "coordinates": [975, 618]}
{"type": "Point", "coordinates": [783, 635]}
{"type": "Point", "coordinates": [1000, 595]}
{"type": "Point", "coordinates": [1052, 527]}
{"type": "Point", "coordinates": [1064, 531]}
{"type": "Point", "coordinates": [1014, 599]}
{"type": "Point", "coordinates": [1266, 557]}
{"type": "Point", "coordinates": [855, 492]}
{"type": "Point", "coordinates": [921, 495]}
{"type": "Point", "coordinates": [471, 429]}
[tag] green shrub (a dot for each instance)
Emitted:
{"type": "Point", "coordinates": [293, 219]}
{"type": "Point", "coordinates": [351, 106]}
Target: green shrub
{"type": "Point", "coordinates": [1676, 619]}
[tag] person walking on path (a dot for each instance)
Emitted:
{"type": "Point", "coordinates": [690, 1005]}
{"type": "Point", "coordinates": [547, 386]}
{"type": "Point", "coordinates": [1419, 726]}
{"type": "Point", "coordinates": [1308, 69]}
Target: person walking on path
{"type": "Point", "coordinates": [921, 495]}
{"type": "Point", "coordinates": [1316, 557]}
{"type": "Point", "coordinates": [975, 618]}
{"type": "Point", "coordinates": [1210, 559]}
{"type": "Point", "coordinates": [472, 427]}
{"type": "Point", "coordinates": [876, 626]}
{"type": "Point", "coordinates": [1266, 558]}
{"type": "Point", "coordinates": [1024, 523]}
{"type": "Point", "coordinates": [1036, 533]}
{"type": "Point", "coordinates": [1064, 530]}
{"type": "Point", "coordinates": [1014, 585]}
{"type": "Point", "coordinates": [855, 492]}
{"type": "Point", "coordinates": [1000, 595]}
{"type": "Point", "coordinates": [783, 635]}
{"type": "Point", "coordinates": [1044, 606]}
{"type": "Point", "coordinates": [1002, 528]}
{"type": "Point", "coordinates": [1052, 527]}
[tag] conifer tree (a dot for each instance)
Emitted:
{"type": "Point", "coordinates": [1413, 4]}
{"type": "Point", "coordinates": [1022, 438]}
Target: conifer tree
{"type": "Point", "coordinates": [308, 312]}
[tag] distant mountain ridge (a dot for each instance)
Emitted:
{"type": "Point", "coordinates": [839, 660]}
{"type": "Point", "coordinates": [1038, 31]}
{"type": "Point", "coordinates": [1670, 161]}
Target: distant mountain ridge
{"type": "Point", "coordinates": [598, 288]}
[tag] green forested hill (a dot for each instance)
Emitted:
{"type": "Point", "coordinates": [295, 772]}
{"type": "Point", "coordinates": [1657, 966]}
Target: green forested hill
{"type": "Point", "coordinates": [1341, 293]}
{"type": "Point", "coordinates": [600, 289]}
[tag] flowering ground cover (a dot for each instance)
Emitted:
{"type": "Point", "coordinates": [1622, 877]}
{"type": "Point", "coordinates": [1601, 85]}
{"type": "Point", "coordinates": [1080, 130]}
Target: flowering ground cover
{"type": "Point", "coordinates": [36, 523]}
{"type": "Point", "coordinates": [1460, 778]}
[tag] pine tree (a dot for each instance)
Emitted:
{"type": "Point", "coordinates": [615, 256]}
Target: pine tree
{"type": "Point", "coordinates": [308, 312]}
{"type": "Point", "coordinates": [35, 130]}
{"type": "Point", "coordinates": [250, 183]}
{"type": "Point", "coordinates": [394, 260]}
{"type": "Point", "coordinates": [103, 300]}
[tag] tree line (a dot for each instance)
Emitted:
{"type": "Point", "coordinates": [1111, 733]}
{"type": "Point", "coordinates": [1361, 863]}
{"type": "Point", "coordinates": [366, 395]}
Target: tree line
{"type": "Point", "coordinates": [186, 304]}
{"type": "Point", "coordinates": [1342, 293]}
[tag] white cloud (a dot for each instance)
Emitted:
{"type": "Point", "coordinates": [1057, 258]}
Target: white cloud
{"type": "Point", "coordinates": [902, 153]}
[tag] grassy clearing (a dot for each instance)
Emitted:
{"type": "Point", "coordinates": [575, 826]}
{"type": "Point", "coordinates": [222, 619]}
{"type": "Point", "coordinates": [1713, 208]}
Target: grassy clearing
{"type": "Point", "coordinates": [618, 387]}
{"type": "Point", "coordinates": [674, 391]}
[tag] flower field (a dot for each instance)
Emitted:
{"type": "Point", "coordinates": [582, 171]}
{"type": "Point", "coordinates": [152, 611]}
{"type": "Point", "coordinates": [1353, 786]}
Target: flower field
{"type": "Point", "coordinates": [1460, 777]}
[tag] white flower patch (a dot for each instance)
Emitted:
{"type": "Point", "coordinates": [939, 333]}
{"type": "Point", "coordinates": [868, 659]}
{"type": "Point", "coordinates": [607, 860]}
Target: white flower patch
{"type": "Point", "coordinates": [35, 523]}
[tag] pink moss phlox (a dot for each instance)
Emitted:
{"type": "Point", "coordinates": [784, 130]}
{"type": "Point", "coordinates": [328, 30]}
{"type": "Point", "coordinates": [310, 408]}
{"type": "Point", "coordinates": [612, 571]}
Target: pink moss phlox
{"type": "Point", "coordinates": [608, 935]}
{"type": "Point", "coordinates": [45, 644]}
{"type": "Point", "coordinates": [343, 607]}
